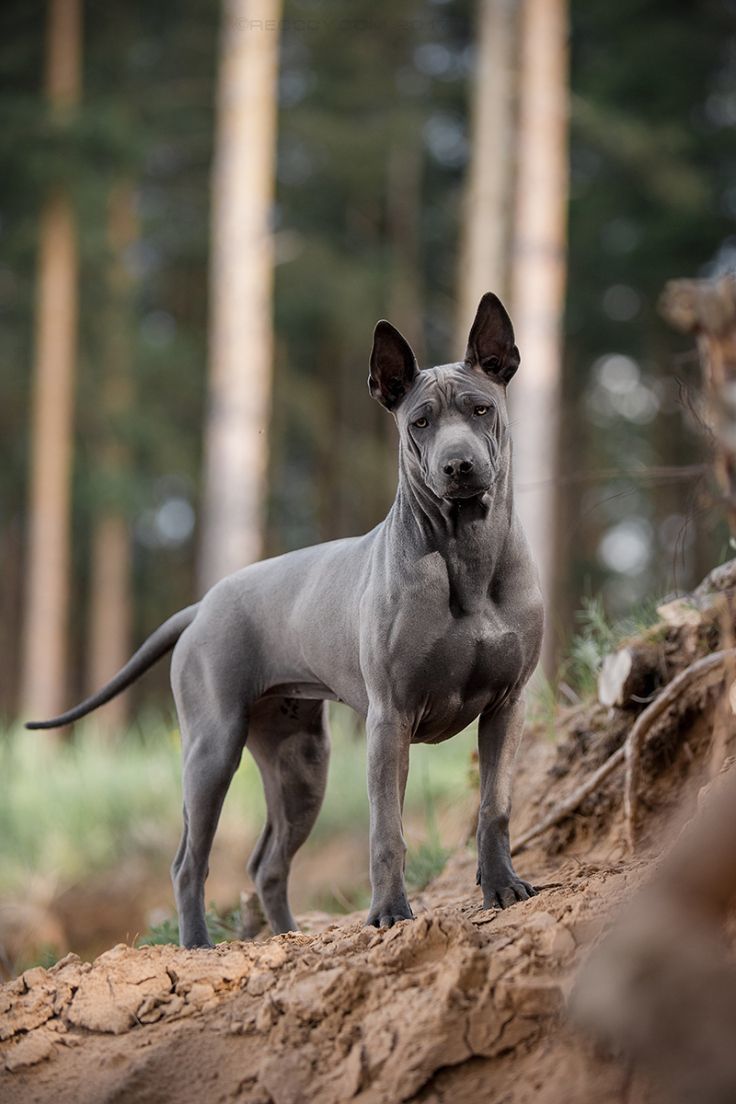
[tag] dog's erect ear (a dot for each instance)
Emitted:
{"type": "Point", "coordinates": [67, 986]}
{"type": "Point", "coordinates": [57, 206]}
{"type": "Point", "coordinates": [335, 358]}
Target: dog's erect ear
{"type": "Point", "coordinates": [393, 366]}
{"type": "Point", "coordinates": [491, 345]}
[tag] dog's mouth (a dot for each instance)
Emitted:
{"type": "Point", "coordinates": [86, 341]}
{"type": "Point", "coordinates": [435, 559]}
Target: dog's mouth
{"type": "Point", "coordinates": [462, 488]}
{"type": "Point", "coordinates": [466, 490]}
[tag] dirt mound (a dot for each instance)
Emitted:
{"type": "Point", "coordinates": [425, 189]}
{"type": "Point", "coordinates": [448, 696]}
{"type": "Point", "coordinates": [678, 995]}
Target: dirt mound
{"type": "Point", "coordinates": [462, 1004]}
{"type": "Point", "coordinates": [345, 1013]}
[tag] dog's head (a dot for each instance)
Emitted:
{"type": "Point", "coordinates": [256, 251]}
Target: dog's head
{"type": "Point", "coordinates": [452, 419]}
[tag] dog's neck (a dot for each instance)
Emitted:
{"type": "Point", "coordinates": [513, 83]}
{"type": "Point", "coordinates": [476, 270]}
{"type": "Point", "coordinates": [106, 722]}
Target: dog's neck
{"type": "Point", "coordinates": [469, 534]}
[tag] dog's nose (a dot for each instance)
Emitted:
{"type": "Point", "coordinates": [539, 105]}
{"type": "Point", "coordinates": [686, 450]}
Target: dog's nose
{"type": "Point", "coordinates": [457, 467]}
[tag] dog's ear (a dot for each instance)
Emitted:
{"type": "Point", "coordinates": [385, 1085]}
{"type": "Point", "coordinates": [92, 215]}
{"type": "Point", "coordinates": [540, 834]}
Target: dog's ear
{"type": "Point", "coordinates": [491, 345]}
{"type": "Point", "coordinates": [393, 366]}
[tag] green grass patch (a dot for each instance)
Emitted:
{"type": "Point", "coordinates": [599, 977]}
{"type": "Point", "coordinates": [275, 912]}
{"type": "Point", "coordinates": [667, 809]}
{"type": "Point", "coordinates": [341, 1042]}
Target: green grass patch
{"type": "Point", "coordinates": [427, 860]}
{"type": "Point", "coordinates": [221, 928]}
{"type": "Point", "coordinates": [78, 809]}
{"type": "Point", "coordinates": [598, 637]}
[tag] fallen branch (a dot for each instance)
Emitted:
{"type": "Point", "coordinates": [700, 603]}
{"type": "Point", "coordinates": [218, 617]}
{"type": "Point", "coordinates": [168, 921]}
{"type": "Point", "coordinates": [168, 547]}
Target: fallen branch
{"type": "Point", "coordinates": [635, 739]}
{"type": "Point", "coordinates": [629, 753]}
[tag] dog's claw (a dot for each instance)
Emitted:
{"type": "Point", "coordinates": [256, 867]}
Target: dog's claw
{"type": "Point", "coordinates": [387, 919]}
{"type": "Point", "coordinates": [510, 894]}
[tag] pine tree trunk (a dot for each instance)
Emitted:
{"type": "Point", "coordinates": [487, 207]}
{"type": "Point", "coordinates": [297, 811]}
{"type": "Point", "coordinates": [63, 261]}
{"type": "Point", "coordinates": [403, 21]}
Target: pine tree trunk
{"type": "Point", "coordinates": [404, 205]}
{"type": "Point", "coordinates": [110, 614]}
{"type": "Point", "coordinates": [12, 559]}
{"type": "Point", "coordinates": [236, 437]}
{"type": "Point", "coordinates": [44, 668]}
{"type": "Point", "coordinates": [538, 279]}
{"type": "Point", "coordinates": [110, 598]}
{"type": "Point", "coordinates": [405, 291]}
{"type": "Point", "coordinates": [487, 215]}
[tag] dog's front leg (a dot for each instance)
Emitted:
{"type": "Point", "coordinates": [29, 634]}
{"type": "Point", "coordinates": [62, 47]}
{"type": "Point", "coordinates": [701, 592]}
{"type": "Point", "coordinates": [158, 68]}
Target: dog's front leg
{"type": "Point", "coordinates": [389, 739]}
{"type": "Point", "coordinates": [499, 734]}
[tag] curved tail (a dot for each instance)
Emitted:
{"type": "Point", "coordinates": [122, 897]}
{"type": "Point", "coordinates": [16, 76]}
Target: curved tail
{"type": "Point", "coordinates": [158, 644]}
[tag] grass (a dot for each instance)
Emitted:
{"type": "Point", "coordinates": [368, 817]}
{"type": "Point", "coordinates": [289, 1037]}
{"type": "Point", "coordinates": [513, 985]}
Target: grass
{"type": "Point", "coordinates": [425, 862]}
{"type": "Point", "coordinates": [67, 813]}
{"type": "Point", "coordinates": [220, 927]}
{"type": "Point", "coordinates": [597, 638]}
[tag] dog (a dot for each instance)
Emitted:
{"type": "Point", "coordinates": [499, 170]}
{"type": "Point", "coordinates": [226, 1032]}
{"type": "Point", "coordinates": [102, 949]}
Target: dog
{"type": "Point", "coordinates": [429, 621]}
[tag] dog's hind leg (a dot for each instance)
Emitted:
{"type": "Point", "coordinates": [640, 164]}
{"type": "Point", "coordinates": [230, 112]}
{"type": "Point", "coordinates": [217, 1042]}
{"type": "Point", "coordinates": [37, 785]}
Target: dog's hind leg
{"type": "Point", "coordinates": [212, 704]}
{"type": "Point", "coordinates": [290, 743]}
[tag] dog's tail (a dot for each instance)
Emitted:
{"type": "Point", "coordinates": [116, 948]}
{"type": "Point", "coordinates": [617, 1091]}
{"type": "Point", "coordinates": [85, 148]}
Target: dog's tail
{"type": "Point", "coordinates": [158, 644]}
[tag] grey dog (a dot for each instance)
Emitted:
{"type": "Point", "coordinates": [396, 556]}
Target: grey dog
{"type": "Point", "coordinates": [430, 620]}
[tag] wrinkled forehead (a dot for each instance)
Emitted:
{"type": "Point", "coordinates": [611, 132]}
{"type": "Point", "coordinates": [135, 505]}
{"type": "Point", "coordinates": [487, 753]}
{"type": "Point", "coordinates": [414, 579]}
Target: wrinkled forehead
{"type": "Point", "coordinates": [445, 382]}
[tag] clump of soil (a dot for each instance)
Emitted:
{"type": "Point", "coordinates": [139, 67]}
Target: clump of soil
{"type": "Point", "coordinates": [461, 1004]}
{"type": "Point", "coordinates": [343, 1013]}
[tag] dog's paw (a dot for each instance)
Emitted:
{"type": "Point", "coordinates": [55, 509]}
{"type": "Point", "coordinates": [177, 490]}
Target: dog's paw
{"type": "Point", "coordinates": [385, 916]}
{"type": "Point", "coordinates": [194, 937]}
{"type": "Point", "coordinates": [506, 890]}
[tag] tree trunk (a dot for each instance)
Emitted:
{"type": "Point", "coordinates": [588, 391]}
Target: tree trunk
{"type": "Point", "coordinates": [44, 669]}
{"type": "Point", "coordinates": [404, 204]}
{"type": "Point", "coordinates": [405, 290]}
{"type": "Point", "coordinates": [484, 253]}
{"type": "Point", "coordinates": [236, 438]}
{"type": "Point", "coordinates": [110, 617]}
{"type": "Point", "coordinates": [110, 599]}
{"type": "Point", "coordinates": [538, 279]}
{"type": "Point", "coordinates": [12, 559]}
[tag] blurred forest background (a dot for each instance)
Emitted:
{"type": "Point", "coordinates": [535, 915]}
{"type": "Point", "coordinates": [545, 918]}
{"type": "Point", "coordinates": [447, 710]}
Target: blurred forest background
{"type": "Point", "coordinates": [204, 209]}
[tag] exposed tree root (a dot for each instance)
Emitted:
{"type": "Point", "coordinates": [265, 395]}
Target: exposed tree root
{"type": "Point", "coordinates": [629, 753]}
{"type": "Point", "coordinates": [570, 803]}
{"type": "Point", "coordinates": [645, 721]}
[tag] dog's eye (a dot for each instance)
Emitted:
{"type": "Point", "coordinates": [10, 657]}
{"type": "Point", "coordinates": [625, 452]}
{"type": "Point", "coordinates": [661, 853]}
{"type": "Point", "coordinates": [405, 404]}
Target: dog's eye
{"type": "Point", "coordinates": [479, 411]}
{"type": "Point", "coordinates": [421, 423]}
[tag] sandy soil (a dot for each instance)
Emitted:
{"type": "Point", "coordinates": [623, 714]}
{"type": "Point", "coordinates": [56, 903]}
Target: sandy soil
{"type": "Point", "coordinates": [459, 1003]}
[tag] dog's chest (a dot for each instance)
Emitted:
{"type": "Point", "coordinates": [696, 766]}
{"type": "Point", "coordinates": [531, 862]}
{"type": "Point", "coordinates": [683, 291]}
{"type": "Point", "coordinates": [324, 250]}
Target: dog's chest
{"type": "Point", "coordinates": [443, 662]}
{"type": "Point", "coordinates": [469, 668]}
